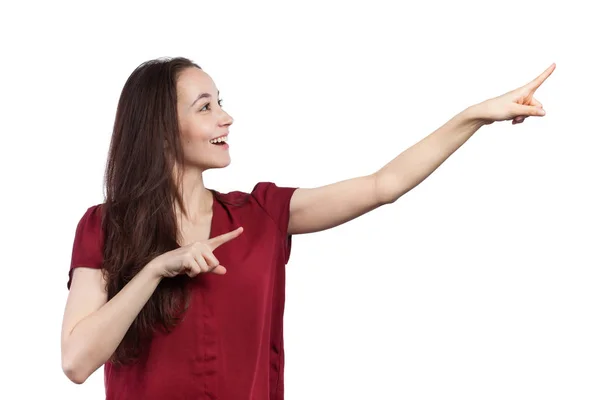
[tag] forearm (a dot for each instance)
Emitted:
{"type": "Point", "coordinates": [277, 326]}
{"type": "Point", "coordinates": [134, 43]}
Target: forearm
{"type": "Point", "coordinates": [416, 163]}
{"type": "Point", "coordinates": [95, 338]}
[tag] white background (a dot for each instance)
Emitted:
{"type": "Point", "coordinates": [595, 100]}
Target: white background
{"type": "Point", "coordinates": [481, 283]}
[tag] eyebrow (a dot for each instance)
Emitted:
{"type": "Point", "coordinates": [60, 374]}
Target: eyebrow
{"type": "Point", "coordinates": [203, 96]}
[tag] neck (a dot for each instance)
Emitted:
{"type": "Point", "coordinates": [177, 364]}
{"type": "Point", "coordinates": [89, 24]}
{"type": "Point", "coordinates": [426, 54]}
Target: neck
{"type": "Point", "coordinates": [197, 200]}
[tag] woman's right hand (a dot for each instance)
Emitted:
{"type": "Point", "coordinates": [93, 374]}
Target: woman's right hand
{"type": "Point", "coordinates": [194, 258]}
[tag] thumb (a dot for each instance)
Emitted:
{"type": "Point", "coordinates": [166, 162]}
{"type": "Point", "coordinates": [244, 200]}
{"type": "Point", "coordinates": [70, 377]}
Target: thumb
{"type": "Point", "coordinates": [219, 270]}
{"type": "Point", "coordinates": [530, 111]}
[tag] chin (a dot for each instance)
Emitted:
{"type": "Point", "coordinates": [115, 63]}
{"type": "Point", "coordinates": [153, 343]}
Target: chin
{"type": "Point", "coordinates": [217, 166]}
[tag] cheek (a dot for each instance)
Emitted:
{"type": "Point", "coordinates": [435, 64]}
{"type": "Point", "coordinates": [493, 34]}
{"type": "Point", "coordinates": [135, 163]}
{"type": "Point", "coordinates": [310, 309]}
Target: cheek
{"type": "Point", "coordinates": [195, 143]}
{"type": "Point", "coordinates": [196, 134]}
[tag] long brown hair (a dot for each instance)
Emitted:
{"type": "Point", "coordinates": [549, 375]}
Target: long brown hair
{"type": "Point", "coordinates": [139, 221]}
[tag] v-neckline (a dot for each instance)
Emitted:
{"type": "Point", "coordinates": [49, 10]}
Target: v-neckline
{"type": "Point", "coordinates": [211, 229]}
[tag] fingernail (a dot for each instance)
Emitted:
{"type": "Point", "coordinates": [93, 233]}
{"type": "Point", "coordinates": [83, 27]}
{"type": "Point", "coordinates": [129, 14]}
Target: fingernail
{"type": "Point", "coordinates": [542, 112]}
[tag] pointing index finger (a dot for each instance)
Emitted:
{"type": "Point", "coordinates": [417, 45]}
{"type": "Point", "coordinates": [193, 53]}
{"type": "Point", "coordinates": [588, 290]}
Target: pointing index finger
{"type": "Point", "coordinates": [224, 238]}
{"type": "Point", "coordinates": [536, 83]}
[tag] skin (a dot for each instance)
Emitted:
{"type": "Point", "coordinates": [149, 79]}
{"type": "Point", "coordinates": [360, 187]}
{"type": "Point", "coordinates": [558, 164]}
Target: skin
{"type": "Point", "coordinates": [324, 207]}
{"type": "Point", "coordinates": [317, 209]}
{"type": "Point", "coordinates": [93, 327]}
{"type": "Point", "coordinates": [200, 121]}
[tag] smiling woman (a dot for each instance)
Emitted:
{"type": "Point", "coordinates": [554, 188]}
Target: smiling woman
{"type": "Point", "coordinates": [201, 119]}
{"type": "Point", "coordinates": [178, 289]}
{"type": "Point", "coordinates": [146, 296]}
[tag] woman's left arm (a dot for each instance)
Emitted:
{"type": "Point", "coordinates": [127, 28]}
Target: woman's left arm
{"type": "Point", "coordinates": [317, 209]}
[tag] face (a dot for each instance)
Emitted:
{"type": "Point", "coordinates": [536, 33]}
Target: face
{"type": "Point", "coordinates": [201, 120]}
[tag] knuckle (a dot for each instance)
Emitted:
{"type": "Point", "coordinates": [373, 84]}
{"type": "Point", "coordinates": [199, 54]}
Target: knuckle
{"type": "Point", "coordinates": [190, 252]}
{"type": "Point", "coordinates": [201, 246]}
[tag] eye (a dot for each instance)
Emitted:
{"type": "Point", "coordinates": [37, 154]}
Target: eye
{"type": "Point", "coordinates": [220, 102]}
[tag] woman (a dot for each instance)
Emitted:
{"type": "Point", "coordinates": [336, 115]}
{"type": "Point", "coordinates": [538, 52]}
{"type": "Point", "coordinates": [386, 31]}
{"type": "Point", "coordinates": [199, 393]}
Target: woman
{"type": "Point", "coordinates": [179, 289]}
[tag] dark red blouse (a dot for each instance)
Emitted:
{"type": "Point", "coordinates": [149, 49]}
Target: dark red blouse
{"type": "Point", "coordinates": [229, 344]}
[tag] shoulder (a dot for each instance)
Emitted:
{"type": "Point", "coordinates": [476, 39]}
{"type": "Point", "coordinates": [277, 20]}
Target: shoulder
{"type": "Point", "coordinates": [262, 193]}
{"type": "Point", "coordinates": [265, 190]}
{"type": "Point", "coordinates": [266, 201]}
{"type": "Point", "coordinates": [89, 234]}
{"type": "Point", "coordinates": [274, 200]}
{"type": "Point", "coordinates": [266, 194]}
{"type": "Point", "coordinates": [91, 219]}
{"type": "Point", "coordinates": [88, 242]}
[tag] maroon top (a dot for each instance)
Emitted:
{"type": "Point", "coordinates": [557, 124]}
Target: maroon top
{"type": "Point", "coordinates": [229, 344]}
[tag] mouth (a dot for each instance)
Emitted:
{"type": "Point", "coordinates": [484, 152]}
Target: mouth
{"type": "Point", "coordinates": [220, 141]}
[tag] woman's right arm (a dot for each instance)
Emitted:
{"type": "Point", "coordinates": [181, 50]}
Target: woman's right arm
{"type": "Point", "coordinates": [92, 327]}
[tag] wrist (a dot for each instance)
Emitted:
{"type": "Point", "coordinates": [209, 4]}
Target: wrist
{"type": "Point", "coordinates": [473, 115]}
{"type": "Point", "coordinates": [154, 269]}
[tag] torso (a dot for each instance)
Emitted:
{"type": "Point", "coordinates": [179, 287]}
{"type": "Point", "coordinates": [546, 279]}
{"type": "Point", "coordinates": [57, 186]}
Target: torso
{"type": "Point", "coordinates": [229, 343]}
{"type": "Point", "coordinates": [197, 232]}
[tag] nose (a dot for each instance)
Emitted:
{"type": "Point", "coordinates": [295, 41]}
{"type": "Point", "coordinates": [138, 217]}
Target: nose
{"type": "Point", "coordinates": [226, 119]}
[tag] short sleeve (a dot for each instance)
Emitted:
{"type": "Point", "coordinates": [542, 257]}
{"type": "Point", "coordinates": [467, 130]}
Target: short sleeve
{"type": "Point", "coordinates": [88, 244]}
{"type": "Point", "coordinates": [275, 201]}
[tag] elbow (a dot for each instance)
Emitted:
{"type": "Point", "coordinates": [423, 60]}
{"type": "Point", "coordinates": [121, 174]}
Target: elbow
{"type": "Point", "coordinates": [74, 375]}
{"type": "Point", "coordinates": [73, 369]}
{"type": "Point", "coordinates": [385, 189]}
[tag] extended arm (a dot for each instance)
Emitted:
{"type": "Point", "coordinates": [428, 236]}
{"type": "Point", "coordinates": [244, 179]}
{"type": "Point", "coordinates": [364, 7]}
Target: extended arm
{"type": "Point", "coordinates": [321, 208]}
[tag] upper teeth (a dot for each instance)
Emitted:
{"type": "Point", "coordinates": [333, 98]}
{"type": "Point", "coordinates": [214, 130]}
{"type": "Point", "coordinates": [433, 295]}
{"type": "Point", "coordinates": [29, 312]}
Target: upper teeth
{"type": "Point", "coordinates": [219, 140]}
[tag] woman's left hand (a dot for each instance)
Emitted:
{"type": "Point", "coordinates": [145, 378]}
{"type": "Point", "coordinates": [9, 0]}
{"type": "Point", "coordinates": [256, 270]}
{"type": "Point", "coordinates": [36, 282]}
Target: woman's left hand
{"type": "Point", "coordinates": [517, 104]}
